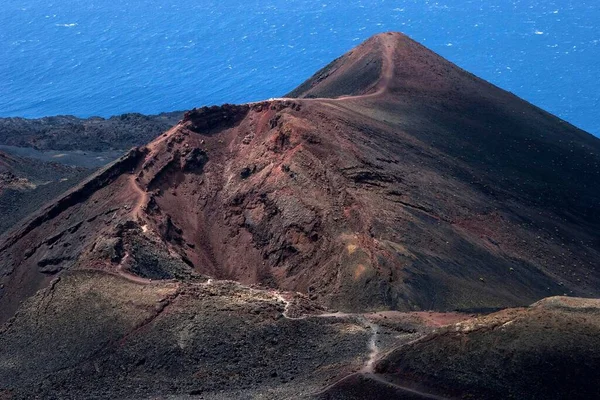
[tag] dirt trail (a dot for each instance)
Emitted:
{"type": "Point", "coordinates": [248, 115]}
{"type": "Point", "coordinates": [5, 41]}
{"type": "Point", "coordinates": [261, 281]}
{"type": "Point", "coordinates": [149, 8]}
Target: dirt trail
{"type": "Point", "coordinates": [372, 345]}
{"type": "Point", "coordinates": [279, 297]}
{"type": "Point", "coordinates": [143, 197]}
{"type": "Point", "coordinates": [387, 75]}
{"type": "Point", "coordinates": [387, 71]}
{"type": "Point", "coordinates": [411, 393]}
{"type": "Point", "coordinates": [121, 271]}
{"type": "Point", "coordinates": [153, 146]}
{"type": "Point", "coordinates": [374, 350]}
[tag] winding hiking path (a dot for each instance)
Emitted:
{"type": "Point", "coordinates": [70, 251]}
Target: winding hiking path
{"type": "Point", "coordinates": [381, 88]}
{"type": "Point", "coordinates": [368, 369]}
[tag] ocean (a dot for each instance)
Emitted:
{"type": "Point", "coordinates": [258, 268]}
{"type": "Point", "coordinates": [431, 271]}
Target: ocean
{"type": "Point", "coordinates": [100, 57]}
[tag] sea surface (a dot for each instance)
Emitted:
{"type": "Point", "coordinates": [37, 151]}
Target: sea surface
{"type": "Point", "coordinates": [102, 57]}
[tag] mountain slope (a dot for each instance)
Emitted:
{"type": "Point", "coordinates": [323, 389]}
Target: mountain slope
{"type": "Point", "coordinates": [423, 194]}
{"type": "Point", "coordinates": [356, 73]}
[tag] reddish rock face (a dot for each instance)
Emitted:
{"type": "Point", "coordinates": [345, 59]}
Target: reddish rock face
{"type": "Point", "coordinates": [414, 186]}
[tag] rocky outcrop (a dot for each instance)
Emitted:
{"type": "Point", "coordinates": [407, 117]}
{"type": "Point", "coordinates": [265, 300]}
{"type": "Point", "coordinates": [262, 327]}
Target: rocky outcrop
{"type": "Point", "coordinates": [205, 119]}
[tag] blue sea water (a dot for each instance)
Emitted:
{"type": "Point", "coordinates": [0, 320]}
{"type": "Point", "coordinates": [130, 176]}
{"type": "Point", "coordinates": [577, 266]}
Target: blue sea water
{"type": "Point", "coordinates": [102, 57]}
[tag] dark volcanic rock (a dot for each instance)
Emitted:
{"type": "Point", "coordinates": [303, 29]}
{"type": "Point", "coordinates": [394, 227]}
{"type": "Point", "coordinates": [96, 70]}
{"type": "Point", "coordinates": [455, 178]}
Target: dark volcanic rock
{"type": "Point", "coordinates": [205, 119]}
{"type": "Point", "coordinates": [27, 184]}
{"type": "Point", "coordinates": [71, 133]}
{"type": "Point", "coordinates": [165, 339]}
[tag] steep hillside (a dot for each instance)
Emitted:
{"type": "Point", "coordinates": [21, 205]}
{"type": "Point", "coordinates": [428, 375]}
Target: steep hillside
{"type": "Point", "coordinates": [363, 70]}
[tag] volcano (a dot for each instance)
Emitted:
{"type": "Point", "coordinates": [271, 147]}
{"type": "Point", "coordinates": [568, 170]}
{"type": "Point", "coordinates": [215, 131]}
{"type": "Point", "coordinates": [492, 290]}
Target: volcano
{"type": "Point", "coordinates": [390, 181]}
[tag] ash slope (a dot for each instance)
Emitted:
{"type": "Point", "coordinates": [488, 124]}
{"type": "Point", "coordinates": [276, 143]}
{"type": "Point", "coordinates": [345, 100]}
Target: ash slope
{"type": "Point", "coordinates": [429, 189]}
